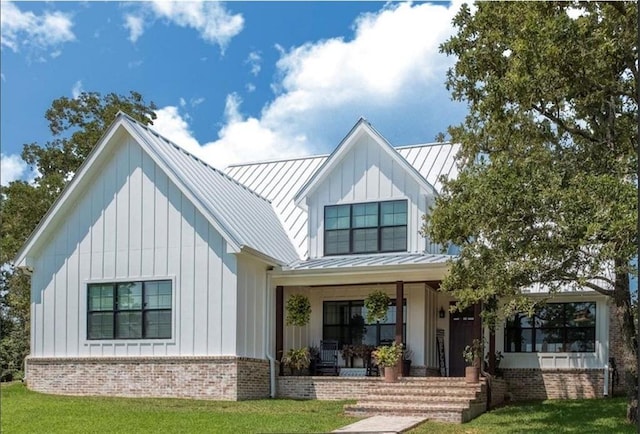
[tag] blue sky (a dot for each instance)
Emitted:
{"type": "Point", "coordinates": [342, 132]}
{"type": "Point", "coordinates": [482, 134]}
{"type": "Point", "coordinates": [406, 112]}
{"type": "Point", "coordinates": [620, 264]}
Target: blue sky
{"type": "Point", "coordinates": [236, 81]}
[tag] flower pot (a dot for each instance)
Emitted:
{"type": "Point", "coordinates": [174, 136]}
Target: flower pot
{"type": "Point", "coordinates": [472, 374]}
{"type": "Point", "coordinates": [390, 374]}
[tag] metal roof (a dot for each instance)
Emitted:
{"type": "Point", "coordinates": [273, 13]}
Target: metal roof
{"type": "Point", "coordinates": [248, 218]}
{"type": "Point", "coordinates": [280, 180]}
{"type": "Point", "coordinates": [377, 260]}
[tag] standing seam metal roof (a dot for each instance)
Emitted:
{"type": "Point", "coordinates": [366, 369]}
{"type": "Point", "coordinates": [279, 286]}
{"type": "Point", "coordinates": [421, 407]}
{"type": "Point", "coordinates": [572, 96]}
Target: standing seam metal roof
{"type": "Point", "coordinates": [248, 217]}
{"type": "Point", "coordinates": [280, 180]}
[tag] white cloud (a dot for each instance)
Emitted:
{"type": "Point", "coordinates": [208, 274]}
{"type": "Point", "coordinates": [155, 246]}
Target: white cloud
{"type": "Point", "coordinates": [12, 167]}
{"type": "Point", "coordinates": [39, 32]}
{"type": "Point", "coordinates": [254, 60]}
{"type": "Point", "coordinates": [390, 72]}
{"type": "Point", "coordinates": [77, 89]}
{"type": "Point", "coordinates": [250, 87]}
{"type": "Point", "coordinates": [211, 20]}
{"type": "Point", "coordinates": [196, 101]}
{"type": "Point", "coordinates": [135, 64]}
{"type": "Point", "coordinates": [135, 25]}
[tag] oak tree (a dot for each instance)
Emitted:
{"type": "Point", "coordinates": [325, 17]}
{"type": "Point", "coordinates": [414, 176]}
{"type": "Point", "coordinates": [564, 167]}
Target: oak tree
{"type": "Point", "coordinates": [547, 188]}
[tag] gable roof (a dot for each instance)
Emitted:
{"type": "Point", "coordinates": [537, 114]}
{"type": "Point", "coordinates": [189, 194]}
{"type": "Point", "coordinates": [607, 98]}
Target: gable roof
{"type": "Point", "coordinates": [222, 200]}
{"type": "Point", "coordinates": [361, 127]}
{"type": "Point", "coordinates": [280, 180]}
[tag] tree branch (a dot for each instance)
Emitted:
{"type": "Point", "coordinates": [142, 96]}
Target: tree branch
{"type": "Point", "coordinates": [563, 125]}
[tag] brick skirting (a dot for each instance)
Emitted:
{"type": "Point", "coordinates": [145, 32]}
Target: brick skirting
{"type": "Point", "coordinates": [223, 378]}
{"type": "Point", "coordinates": [326, 388]}
{"type": "Point", "coordinates": [529, 384]}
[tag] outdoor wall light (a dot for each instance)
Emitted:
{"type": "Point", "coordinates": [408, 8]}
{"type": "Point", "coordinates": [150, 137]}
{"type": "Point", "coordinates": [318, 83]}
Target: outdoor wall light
{"type": "Point", "coordinates": [441, 312]}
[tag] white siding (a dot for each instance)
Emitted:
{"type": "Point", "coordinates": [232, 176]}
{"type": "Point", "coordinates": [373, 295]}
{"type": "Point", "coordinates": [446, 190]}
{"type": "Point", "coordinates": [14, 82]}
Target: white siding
{"type": "Point", "coordinates": [132, 223]}
{"type": "Point", "coordinates": [365, 174]}
{"type": "Point", "coordinates": [252, 293]}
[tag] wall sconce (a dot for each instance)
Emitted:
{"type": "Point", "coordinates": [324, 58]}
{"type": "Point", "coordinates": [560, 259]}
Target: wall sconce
{"type": "Point", "coordinates": [441, 312]}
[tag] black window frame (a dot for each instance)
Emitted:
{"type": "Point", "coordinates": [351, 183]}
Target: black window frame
{"type": "Point", "coordinates": [379, 228]}
{"type": "Point", "coordinates": [539, 326]}
{"type": "Point", "coordinates": [115, 310]}
{"type": "Point", "coordinates": [346, 333]}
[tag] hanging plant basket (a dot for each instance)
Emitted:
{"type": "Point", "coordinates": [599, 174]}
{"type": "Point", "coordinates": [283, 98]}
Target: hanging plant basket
{"type": "Point", "coordinates": [298, 310]}
{"type": "Point", "coordinates": [377, 305]}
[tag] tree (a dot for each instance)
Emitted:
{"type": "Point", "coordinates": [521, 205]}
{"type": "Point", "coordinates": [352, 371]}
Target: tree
{"type": "Point", "coordinates": [546, 192]}
{"type": "Point", "coordinates": [76, 126]}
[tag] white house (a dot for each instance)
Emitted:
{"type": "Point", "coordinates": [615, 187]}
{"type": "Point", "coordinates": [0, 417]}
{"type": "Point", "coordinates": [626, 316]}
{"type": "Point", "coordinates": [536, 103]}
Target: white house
{"type": "Point", "coordinates": [155, 274]}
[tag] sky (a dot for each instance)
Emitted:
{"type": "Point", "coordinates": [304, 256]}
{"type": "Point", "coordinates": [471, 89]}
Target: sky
{"type": "Point", "coordinates": [233, 82]}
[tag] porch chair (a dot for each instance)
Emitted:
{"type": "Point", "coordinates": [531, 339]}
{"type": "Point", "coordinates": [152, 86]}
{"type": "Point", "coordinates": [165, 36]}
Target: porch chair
{"type": "Point", "coordinates": [328, 361]}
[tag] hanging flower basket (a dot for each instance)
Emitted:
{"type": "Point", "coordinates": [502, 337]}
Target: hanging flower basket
{"type": "Point", "coordinates": [298, 310]}
{"type": "Point", "coordinates": [377, 305]}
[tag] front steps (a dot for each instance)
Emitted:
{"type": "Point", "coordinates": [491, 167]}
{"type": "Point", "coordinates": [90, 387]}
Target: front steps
{"type": "Point", "coordinates": [436, 398]}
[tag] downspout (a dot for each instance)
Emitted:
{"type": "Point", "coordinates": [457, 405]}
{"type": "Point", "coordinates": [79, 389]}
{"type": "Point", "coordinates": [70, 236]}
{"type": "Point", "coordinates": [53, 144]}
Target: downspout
{"type": "Point", "coordinates": [267, 336]}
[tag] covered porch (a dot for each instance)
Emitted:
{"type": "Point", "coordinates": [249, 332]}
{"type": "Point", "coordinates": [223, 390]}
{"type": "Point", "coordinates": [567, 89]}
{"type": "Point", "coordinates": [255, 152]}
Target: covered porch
{"type": "Point", "coordinates": [337, 288]}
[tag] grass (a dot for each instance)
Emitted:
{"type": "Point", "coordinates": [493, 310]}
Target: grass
{"type": "Point", "coordinates": [24, 411]}
{"type": "Point", "coordinates": [556, 416]}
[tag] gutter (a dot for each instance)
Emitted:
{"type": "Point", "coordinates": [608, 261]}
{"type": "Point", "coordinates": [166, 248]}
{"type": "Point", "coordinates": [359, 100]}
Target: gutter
{"type": "Point", "coordinates": [268, 320]}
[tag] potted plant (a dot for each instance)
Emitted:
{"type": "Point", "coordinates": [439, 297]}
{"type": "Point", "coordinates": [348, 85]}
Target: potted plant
{"type": "Point", "coordinates": [347, 355]}
{"type": "Point", "coordinates": [297, 360]}
{"type": "Point", "coordinates": [473, 355]}
{"type": "Point", "coordinates": [377, 305]}
{"type": "Point", "coordinates": [388, 356]}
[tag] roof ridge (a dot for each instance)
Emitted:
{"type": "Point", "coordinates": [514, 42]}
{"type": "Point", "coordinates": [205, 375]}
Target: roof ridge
{"type": "Point", "coordinates": [189, 154]}
{"type": "Point", "coordinates": [422, 145]}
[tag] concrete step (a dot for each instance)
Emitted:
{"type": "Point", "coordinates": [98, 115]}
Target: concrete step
{"type": "Point", "coordinates": [417, 399]}
{"type": "Point", "coordinates": [455, 414]}
{"type": "Point", "coordinates": [440, 391]}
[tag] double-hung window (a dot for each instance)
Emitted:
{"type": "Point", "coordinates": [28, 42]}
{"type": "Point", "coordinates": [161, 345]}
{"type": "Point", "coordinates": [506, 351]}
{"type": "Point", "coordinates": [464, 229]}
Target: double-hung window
{"type": "Point", "coordinates": [556, 327]}
{"type": "Point", "coordinates": [129, 310]}
{"type": "Point", "coordinates": [365, 228]}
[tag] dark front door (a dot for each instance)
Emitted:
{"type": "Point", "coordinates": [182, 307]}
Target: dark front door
{"type": "Point", "coordinates": [460, 335]}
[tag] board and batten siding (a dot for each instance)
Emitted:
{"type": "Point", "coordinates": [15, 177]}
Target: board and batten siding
{"type": "Point", "coordinates": [366, 173]}
{"type": "Point", "coordinates": [130, 222]}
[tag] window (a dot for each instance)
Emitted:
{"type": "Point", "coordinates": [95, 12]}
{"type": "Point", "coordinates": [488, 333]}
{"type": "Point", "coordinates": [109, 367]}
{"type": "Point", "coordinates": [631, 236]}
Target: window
{"type": "Point", "coordinates": [129, 310]}
{"type": "Point", "coordinates": [557, 327]}
{"type": "Point", "coordinates": [365, 228]}
{"type": "Point", "coordinates": [345, 321]}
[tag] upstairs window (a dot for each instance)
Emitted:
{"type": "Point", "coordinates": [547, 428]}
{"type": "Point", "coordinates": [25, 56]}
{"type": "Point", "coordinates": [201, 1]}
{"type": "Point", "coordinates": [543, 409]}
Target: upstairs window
{"type": "Point", "coordinates": [365, 228]}
{"type": "Point", "coordinates": [129, 310]}
{"type": "Point", "coordinates": [557, 327]}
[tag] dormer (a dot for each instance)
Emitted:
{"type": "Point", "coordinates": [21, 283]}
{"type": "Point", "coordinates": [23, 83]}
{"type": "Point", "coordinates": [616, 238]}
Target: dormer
{"type": "Point", "coordinates": [365, 199]}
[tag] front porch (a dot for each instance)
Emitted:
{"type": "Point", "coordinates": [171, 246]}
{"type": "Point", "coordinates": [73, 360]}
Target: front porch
{"type": "Point", "coordinates": [422, 322]}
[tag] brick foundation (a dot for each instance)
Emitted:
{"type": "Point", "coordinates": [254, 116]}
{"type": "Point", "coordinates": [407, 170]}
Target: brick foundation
{"type": "Point", "coordinates": [223, 378]}
{"type": "Point", "coordinates": [530, 384]}
{"type": "Point", "coordinates": [326, 388]}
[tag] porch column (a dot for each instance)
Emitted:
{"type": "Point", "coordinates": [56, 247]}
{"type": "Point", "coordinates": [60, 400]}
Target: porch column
{"type": "Point", "coordinates": [399, 310]}
{"type": "Point", "coordinates": [279, 324]}
{"type": "Point", "coordinates": [399, 318]}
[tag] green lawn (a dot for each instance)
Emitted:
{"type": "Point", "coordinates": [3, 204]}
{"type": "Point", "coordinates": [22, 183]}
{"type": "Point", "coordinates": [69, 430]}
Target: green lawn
{"type": "Point", "coordinates": [23, 411]}
{"type": "Point", "coordinates": [30, 412]}
{"type": "Point", "coordinates": [570, 416]}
